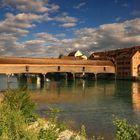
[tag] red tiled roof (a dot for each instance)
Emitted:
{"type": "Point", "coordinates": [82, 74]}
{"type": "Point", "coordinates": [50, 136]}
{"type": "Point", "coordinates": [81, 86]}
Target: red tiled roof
{"type": "Point", "coordinates": [124, 52]}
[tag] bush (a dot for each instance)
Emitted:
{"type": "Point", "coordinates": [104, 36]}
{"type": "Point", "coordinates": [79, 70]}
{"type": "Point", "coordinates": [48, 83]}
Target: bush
{"type": "Point", "coordinates": [19, 100]}
{"type": "Point", "coordinates": [17, 119]}
{"type": "Point", "coordinates": [125, 131]}
{"type": "Point", "coordinates": [13, 117]}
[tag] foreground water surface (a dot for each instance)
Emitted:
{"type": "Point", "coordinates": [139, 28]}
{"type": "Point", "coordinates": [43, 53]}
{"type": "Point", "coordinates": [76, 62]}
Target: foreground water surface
{"type": "Point", "coordinates": [87, 102]}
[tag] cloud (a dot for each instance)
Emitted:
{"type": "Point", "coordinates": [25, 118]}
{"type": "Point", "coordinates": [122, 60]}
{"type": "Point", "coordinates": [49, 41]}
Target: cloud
{"type": "Point", "coordinates": [66, 21]}
{"type": "Point", "coordinates": [61, 35]}
{"type": "Point", "coordinates": [18, 25]}
{"type": "Point", "coordinates": [109, 36]}
{"type": "Point", "coordinates": [39, 6]}
{"type": "Point", "coordinates": [10, 46]}
{"type": "Point", "coordinates": [68, 25]}
{"type": "Point", "coordinates": [48, 38]}
{"type": "Point", "coordinates": [34, 47]}
{"type": "Point", "coordinates": [101, 38]}
{"type": "Point", "coordinates": [80, 5]}
{"type": "Point", "coordinates": [28, 15]}
{"type": "Point", "coordinates": [53, 8]}
{"type": "Point", "coordinates": [24, 17]}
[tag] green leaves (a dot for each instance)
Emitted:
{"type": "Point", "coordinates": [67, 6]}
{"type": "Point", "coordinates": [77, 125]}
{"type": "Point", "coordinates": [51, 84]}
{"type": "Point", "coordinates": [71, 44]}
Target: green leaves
{"type": "Point", "coordinates": [20, 100]}
{"type": "Point", "coordinates": [15, 111]}
{"type": "Point", "coordinates": [125, 131]}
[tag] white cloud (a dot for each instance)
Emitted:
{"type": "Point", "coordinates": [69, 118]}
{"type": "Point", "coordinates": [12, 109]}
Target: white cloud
{"type": "Point", "coordinates": [53, 8]}
{"type": "Point", "coordinates": [34, 42]}
{"type": "Point", "coordinates": [25, 17]}
{"type": "Point", "coordinates": [9, 45]}
{"type": "Point", "coordinates": [80, 5]}
{"type": "Point", "coordinates": [48, 38]}
{"type": "Point", "coordinates": [18, 25]}
{"type": "Point", "coordinates": [39, 6]}
{"type": "Point", "coordinates": [104, 37]}
{"type": "Point", "coordinates": [110, 36]}
{"type": "Point", "coordinates": [29, 15]}
{"type": "Point", "coordinates": [68, 25]}
{"type": "Point", "coordinates": [66, 21]}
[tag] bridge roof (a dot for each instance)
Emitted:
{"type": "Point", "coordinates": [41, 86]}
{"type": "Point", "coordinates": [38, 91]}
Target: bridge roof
{"type": "Point", "coordinates": [53, 61]}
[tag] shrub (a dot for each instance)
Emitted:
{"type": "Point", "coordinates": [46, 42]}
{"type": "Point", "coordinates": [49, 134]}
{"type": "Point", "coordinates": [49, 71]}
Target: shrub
{"type": "Point", "coordinates": [125, 131]}
{"type": "Point", "coordinates": [19, 100]}
{"type": "Point", "coordinates": [13, 125]}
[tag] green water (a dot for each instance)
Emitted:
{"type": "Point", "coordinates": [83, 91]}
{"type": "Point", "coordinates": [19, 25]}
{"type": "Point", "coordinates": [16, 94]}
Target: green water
{"type": "Point", "coordinates": [87, 102]}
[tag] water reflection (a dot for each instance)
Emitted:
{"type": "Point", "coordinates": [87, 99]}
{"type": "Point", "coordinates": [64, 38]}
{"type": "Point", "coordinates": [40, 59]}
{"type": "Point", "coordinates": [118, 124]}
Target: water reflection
{"type": "Point", "coordinates": [136, 97]}
{"type": "Point", "coordinates": [87, 102]}
{"type": "Point", "coordinates": [81, 90]}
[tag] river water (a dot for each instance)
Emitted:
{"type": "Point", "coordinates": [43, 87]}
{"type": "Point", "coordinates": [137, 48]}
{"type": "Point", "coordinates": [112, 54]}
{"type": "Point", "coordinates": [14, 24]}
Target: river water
{"type": "Point", "coordinates": [87, 102]}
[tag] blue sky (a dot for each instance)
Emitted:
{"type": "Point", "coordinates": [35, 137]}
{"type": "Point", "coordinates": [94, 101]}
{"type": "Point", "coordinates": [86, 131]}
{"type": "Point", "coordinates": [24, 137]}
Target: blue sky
{"type": "Point", "coordinates": [47, 28]}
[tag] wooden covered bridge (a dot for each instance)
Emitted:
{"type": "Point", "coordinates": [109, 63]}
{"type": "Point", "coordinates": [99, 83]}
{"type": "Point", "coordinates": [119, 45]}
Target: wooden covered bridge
{"type": "Point", "coordinates": [15, 65]}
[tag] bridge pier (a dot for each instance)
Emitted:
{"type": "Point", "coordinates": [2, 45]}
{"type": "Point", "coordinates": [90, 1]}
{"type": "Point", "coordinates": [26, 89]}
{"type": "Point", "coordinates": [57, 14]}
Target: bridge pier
{"type": "Point", "coordinates": [42, 80]}
{"type": "Point", "coordinates": [83, 75]}
{"type": "Point", "coordinates": [95, 75]}
{"type": "Point", "coordinates": [38, 81]}
{"type": "Point", "coordinates": [66, 78]}
{"type": "Point", "coordinates": [8, 80]}
{"type": "Point", "coordinates": [73, 76]}
{"type": "Point", "coordinates": [28, 79]}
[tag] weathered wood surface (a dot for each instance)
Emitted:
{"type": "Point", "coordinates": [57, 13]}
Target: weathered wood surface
{"type": "Point", "coordinates": [9, 65]}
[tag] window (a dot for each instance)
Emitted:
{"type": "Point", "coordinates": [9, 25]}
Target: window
{"type": "Point", "coordinates": [27, 68]}
{"type": "Point", "coordinates": [83, 68]}
{"type": "Point", "coordinates": [58, 68]}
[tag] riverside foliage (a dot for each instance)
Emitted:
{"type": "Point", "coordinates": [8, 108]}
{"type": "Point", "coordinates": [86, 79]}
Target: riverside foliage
{"type": "Point", "coordinates": [19, 122]}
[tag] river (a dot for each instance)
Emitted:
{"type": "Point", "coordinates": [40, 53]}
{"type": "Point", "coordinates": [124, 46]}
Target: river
{"type": "Point", "coordinates": [87, 102]}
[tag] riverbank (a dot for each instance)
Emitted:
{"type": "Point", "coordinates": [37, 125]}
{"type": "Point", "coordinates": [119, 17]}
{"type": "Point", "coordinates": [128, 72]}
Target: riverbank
{"type": "Point", "coordinates": [18, 121]}
{"type": "Point", "coordinates": [57, 131]}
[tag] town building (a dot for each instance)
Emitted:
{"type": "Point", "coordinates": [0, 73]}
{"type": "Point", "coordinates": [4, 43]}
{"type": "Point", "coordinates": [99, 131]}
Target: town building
{"type": "Point", "coordinates": [126, 61]}
{"type": "Point", "coordinates": [75, 55]}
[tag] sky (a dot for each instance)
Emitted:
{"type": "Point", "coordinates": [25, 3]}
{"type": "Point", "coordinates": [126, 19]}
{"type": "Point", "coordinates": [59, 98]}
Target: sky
{"type": "Point", "coordinates": [48, 28]}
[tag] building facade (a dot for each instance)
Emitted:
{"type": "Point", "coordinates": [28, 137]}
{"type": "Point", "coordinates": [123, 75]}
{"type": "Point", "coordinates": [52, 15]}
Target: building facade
{"type": "Point", "coordinates": [126, 61]}
{"type": "Point", "coordinates": [135, 64]}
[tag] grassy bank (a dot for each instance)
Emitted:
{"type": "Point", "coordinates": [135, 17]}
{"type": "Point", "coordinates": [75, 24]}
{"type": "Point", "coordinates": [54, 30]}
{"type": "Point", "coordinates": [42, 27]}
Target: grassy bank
{"type": "Point", "coordinates": [19, 122]}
